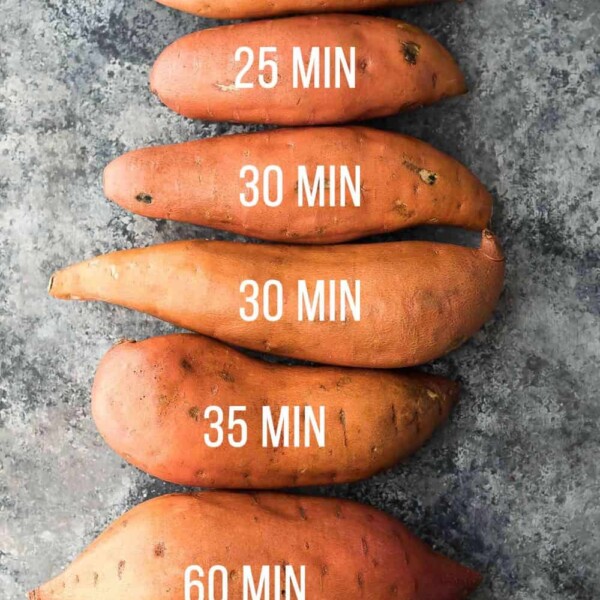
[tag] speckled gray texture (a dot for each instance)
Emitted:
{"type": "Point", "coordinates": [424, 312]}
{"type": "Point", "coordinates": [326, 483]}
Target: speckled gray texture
{"type": "Point", "coordinates": [511, 484]}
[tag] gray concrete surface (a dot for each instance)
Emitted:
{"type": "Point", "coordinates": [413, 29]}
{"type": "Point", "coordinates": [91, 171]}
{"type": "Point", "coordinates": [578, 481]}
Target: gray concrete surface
{"type": "Point", "coordinates": [511, 485]}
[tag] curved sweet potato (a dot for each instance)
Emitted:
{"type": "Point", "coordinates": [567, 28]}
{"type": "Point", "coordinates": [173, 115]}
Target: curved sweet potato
{"type": "Point", "coordinates": [150, 397]}
{"type": "Point", "coordinates": [397, 66]}
{"type": "Point", "coordinates": [403, 182]}
{"type": "Point", "coordinates": [349, 551]}
{"type": "Point", "coordinates": [247, 9]}
{"type": "Point", "coordinates": [418, 300]}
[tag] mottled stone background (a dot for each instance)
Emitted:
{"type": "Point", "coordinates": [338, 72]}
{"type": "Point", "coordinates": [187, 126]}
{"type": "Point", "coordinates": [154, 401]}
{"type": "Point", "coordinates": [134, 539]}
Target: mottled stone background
{"type": "Point", "coordinates": [511, 484]}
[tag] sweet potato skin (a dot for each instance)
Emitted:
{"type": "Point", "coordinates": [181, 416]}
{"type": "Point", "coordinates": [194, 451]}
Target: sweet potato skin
{"type": "Point", "coordinates": [398, 66]}
{"type": "Point", "coordinates": [149, 399]}
{"type": "Point", "coordinates": [350, 551]}
{"type": "Point", "coordinates": [234, 9]}
{"type": "Point", "coordinates": [419, 300]}
{"type": "Point", "coordinates": [404, 183]}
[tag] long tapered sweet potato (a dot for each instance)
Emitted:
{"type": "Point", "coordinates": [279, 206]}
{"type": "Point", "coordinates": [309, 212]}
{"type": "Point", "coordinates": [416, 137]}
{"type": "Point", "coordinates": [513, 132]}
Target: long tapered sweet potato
{"type": "Point", "coordinates": [372, 305]}
{"type": "Point", "coordinates": [150, 400]}
{"type": "Point", "coordinates": [402, 182]}
{"type": "Point", "coordinates": [349, 552]}
{"type": "Point", "coordinates": [238, 9]}
{"type": "Point", "coordinates": [395, 66]}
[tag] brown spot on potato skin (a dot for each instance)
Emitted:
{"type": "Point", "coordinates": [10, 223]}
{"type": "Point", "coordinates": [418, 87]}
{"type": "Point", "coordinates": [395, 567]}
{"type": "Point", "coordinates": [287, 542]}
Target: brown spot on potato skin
{"type": "Point", "coordinates": [429, 177]}
{"type": "Point", "coordinates": [342, 416]}
{"type": "Point", "coordinates": [411, 51]}
{"type": "Point", "coordinates": [226, 376]}
{"type": "Point", "coordinates": [144, 198]}
{"type": "Point", "coordinates": [186, 365]}
{"type": "Point", "coordinates": [403, 210]}
{"type": "Point", "coordinates": [365, 546]}
{"type": "Point", "coordinates": [159, 550]}
{"type": "Point", "coordinates": [194, 412]}
{"type": "Point", "coordinates": [120, 569]}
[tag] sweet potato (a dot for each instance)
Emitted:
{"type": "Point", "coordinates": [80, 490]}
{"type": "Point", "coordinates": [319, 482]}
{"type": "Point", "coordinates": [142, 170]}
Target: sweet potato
{"type": "Point", "coordinates": [237, 9]}
{"type": "Point", "coordinates": [403, 182]}
{"type": "Point", "coordinates": [349, 551]}
{"type": "Point", "coordinates": [392, 304]}
{"type": "Point", "coordinates": [150, 397]}
{"type": "Point", "coordinates": [395, 66]}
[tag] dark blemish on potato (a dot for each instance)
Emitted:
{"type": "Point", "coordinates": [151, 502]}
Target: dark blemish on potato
{"type": "Point", "coordinates": [338, 512]}
{"type": "Point", "coordinates": [120, 569]}
{"type": "Point", "coordinates": [360, 580]}
{"type": "Point", "coordinates": [429, 177]}
{"type": "Point", "coordinates": [411, 51]}
{"type": "Point", "coordinates": [363, 64]}
{"type": "Point", "coordinates": [302, 513]}
{"type": "Point", "coordinates": [76, 578]}
{"type": "Point", "coordinates": [342, 417]}
{"type": "Point", "coordinates": [144, 198]}
{"type": "Point", "coordinates": [403, 210]}
{"type": "Point", "coordinates": [226, 376]}
{"type": "Point", "coordinates": [186, 365]}
{"type": "Point", "coordinates": [434, 79]}
{"type": "Point", "coordinates": [342, 381]}
{"type": "Point", "coordinates": [194, 412]}
{"type": "Point", "coordinates": [159, 549]}
{"type": "Point", "coordinates": [394, 418]}
{"type": "Point", "coordinates": [324, 570]}
{"type": "Point", "coordinates": [365, 546]}
{"type": "Point", "coordinates": [95, 579]}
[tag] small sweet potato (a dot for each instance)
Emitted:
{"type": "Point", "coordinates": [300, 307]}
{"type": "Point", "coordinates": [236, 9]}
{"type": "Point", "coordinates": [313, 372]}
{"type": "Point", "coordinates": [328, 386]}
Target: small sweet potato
{"type": "Point", "coordinates": [395, 66]}
{"type": "Point", "coordinates": [247, 9]}
{"type": "Point", "coordinates": [149, 401]}
{"type": "Point", "coordinates": [349, 551]}
{"type": "Point", "coordinates": [403, 182]}
{"type": "Point", "coordinates": [386, 305]}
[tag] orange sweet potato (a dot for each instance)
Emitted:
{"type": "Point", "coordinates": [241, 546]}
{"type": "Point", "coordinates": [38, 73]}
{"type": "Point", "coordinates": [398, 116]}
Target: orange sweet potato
{"type": "Point", "coordinates": [238, 9]}
{"type": "Point", "coordinates": [150, 397]}
{"type": "Point", "coordinates": [372, 305]}
{"type": "Point", "coordinates": [395, 66]}
{"type": "Point", "coordinates": [403, 182]}
{"type": "Point", "coordinates": [349, 551]}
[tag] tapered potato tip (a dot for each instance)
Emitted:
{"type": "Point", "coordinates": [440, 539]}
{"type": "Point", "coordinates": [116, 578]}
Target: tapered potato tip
{"type": "Point", "coordinates": [490, 246]}
{"type": "Point", "coordinates": [113, 173]}
{"type": "Point", "coordinates": [64, 284]}
{"type": "Point", "coordinates": [54, 289]}
{"type": "Point", "coordinates": [459, 582]}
